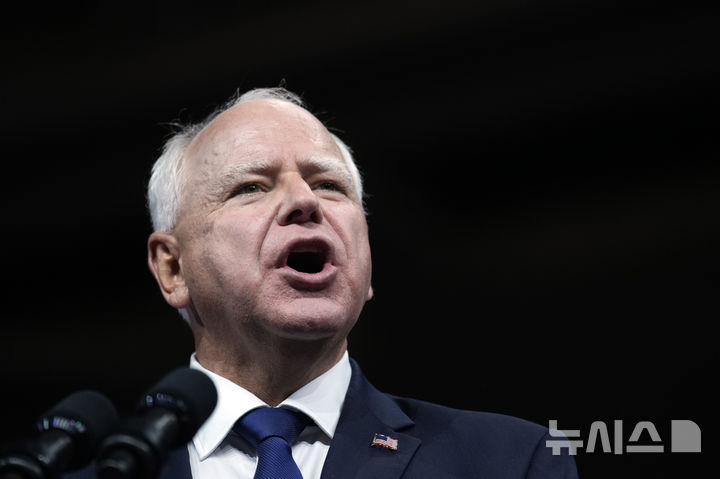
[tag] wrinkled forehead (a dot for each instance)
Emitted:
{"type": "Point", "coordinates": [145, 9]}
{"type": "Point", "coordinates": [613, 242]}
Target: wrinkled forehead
{"type": "Point", "coordinates": [261, 129]}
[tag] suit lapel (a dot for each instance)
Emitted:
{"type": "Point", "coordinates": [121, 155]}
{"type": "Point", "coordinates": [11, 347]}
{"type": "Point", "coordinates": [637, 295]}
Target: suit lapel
{"type": "Point", "coordinates": [367, 411]}
{"type": "Point", "coordinates": [177, 465]}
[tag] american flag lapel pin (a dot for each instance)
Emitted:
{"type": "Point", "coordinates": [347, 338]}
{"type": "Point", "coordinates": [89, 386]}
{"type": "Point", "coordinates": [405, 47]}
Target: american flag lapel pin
{"type": "Point", "coordinates": [385, 441]}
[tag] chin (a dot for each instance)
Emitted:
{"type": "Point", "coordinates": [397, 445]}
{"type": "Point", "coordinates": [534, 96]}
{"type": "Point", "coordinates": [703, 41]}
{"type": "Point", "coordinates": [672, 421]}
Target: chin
{"type": "Point", "coordinates": [310, 324]}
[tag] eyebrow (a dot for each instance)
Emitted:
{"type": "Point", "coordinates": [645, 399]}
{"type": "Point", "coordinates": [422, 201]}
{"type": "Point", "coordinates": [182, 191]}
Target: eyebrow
{"type": "Point", "coordinates": [238, 170]}
{"type": "Point", "coordinates": [228, 178]}
{"type": "Point", "coordinates": [309, 166]}
{"type": "Point", "coordinates": [322, 164]}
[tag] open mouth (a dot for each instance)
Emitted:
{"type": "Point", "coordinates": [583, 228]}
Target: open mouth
{"type": "Point", "coordinates": [308, 258]}
{"type": "Point", "coordinates": [306, 261]}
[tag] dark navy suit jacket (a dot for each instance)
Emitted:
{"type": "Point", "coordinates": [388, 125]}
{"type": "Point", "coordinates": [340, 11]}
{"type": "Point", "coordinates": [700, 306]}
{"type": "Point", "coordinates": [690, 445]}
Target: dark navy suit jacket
{"type": "Point", "coordinates": [434, 442]}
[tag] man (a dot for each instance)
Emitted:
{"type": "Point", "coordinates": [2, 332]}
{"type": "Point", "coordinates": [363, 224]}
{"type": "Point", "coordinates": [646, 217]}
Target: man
{"type": "Point", "coordinates": [261, 243]}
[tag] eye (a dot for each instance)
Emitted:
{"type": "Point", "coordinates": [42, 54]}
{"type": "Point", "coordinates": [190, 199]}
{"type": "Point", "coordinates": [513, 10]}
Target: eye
{"type": "Point", "coordinates": [330, 186]}
{"type": "Point", "coordinates": [247, 189]}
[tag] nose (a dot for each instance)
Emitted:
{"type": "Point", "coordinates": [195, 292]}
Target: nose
{"type": "Point", "coordinates": [299, 203]}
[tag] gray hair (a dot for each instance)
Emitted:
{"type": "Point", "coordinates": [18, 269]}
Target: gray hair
{"type": "Point", "coordinates": [166, 185]}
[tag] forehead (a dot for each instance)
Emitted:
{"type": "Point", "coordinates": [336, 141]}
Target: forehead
{"type": "Point", "coordinates": [262, 130]}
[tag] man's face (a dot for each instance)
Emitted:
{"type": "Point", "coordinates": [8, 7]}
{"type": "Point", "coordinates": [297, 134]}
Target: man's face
{"type": "Point", "coordinates": [271, 233]}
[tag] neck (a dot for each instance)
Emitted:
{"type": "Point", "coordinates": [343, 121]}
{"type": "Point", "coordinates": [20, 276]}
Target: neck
{"type": "Point", "coordinates": [274, 370]}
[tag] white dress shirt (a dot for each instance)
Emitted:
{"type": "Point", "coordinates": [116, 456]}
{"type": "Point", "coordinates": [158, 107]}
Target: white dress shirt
{"type": "Point", "coordinates": [217, 452]}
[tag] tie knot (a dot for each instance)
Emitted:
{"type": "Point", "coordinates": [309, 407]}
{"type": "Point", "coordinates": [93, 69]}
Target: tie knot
{"type": "Point", "coordinates": [264, 422]}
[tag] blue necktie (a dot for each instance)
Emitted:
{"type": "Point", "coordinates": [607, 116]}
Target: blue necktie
{"type": "Point", "coordinates": [272, 431]}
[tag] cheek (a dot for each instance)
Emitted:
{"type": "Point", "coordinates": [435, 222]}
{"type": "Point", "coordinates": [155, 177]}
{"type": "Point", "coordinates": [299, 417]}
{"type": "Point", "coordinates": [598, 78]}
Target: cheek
{"type": "Point", "coordinates": [355, 235]}
{"type": "Point", "coordinates": [226, 252]}
{"type": "Point", "coordinates": [360, 233]}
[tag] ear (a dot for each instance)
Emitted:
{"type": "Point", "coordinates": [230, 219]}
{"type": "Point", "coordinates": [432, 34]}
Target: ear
{"type": "Point", "coordinates": [369, 294]}
{"type": "Point", "coordinates": [164, 262]}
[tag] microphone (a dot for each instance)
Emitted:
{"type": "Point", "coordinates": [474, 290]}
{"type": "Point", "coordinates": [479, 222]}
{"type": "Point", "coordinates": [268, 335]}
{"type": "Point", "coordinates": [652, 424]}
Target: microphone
{"type": "Point", "coordinates": [168, 416]}
{"type": "Point", "coordinates": [68, 436]}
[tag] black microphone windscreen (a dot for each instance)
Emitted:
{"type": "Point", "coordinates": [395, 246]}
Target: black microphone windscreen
{"type": "Point", "coordinates": [168, 416]}
{"type": "Point", "coordinates": [86, 416]}
{"type": "Point", "coordinates": [189, 393]}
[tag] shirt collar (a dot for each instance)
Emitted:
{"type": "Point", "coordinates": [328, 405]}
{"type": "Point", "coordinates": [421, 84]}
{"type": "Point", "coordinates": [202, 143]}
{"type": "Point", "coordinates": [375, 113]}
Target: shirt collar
{"type": "Point", "coordinates": [321, 399]}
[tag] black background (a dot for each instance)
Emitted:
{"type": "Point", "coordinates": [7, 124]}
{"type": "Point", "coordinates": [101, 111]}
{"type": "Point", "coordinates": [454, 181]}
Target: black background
{"type": "Point", "coordinates": [543, 206]}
